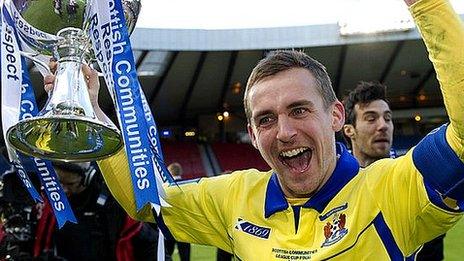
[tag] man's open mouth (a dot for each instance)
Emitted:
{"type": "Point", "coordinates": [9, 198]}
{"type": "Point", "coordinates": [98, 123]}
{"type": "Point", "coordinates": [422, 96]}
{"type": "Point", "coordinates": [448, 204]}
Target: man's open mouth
{"type": "Point", "coordinates": [382, 140]}
{"type": "Point", "coordinates": [296, 159]}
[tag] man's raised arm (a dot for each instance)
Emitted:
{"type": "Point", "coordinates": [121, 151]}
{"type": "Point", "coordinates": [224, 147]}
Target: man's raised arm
{"type": "Point", "coordinates": [443, 34]}
{"type": "Point", "coordinates": [439, 157]}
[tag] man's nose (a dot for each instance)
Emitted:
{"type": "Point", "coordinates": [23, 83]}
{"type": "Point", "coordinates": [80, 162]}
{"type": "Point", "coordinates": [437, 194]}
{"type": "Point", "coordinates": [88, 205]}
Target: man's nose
{"type": "Point", "coordinates": [286, 130]}
{"type": "Point", "coordinates": [383, 125]}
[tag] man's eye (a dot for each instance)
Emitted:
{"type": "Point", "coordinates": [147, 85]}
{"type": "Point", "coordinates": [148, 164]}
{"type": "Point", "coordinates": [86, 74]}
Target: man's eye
{"type": "Point", "coordinates": [264, 120]}
{"type": "Point", "coordinates": [299, 111]}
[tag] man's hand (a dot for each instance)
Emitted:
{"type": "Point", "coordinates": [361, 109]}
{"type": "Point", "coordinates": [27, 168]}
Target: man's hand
{"type": "Point", "coordinates": [410, 2]}
{"type": "Point", "coordinates": [93, 84]}
{"type": "Point", "coordinates": [49, 80]}
{"type": "Point", "coordinates": [91, 79]}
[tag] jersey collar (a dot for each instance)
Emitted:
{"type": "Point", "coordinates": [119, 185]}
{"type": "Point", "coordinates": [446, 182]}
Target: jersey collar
{"type": "Point", "coordinates": [347, 167]}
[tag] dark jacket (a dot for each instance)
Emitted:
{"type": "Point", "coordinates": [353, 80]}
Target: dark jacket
{"type": "Point", "coordinates": [103, 232]}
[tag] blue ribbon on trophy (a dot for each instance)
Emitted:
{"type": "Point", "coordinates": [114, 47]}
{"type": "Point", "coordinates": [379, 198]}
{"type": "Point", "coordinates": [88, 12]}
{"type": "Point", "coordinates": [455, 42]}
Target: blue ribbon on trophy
{"type": "Point", "coordinates": [16, 83]}
{"type": "Point", "coordinates": [162, 173]}
{"type": "Point", "coordinates": [109, 36]}
{"type": "Point", "coordinates": [113, 51]}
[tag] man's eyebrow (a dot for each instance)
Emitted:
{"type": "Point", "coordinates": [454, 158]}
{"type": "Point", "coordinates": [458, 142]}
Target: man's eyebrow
{"type": "Point", "coordinates": [290, 106]}
{"type": "Point", "coordinates": [375, 112]}
{"type": "Point", "coordinates": [261, 113]}
{"type": "Point", "coordinates": [300, 103]}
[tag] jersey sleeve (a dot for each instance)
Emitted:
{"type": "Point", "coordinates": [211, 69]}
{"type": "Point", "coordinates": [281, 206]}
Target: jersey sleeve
{"type": "Point", "coordinates": [414, 212]}
{"type": "Point", "coordinates": [200, 210]}
{"type": "Point", "coordinates": [439, 156]}
{"type": "Point", "coordinates": [443, 33]}
{"type": "Point", "coordinates": [421, 194]}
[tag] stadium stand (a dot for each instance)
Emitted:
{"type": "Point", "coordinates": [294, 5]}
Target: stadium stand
{"type": "Point", "coordinates": [186, 154]}
{"type": "Point", "coordinates": [236, 156]}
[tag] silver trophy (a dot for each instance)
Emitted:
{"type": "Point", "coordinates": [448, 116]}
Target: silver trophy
{"type": "Point", "coordinates": [67, 128]}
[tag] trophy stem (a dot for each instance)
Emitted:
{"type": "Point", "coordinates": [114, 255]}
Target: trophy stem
{"type": "Point", "coordinates": [74, 45]}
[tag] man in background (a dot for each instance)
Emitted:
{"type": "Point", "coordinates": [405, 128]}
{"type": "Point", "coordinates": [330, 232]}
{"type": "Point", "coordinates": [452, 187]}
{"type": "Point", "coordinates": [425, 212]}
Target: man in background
{"type": "Point", "coordinates": [368, 124]}
{"type": "Point", "coordinates": [184, 248]}
{"type": "Point", "coordinates": [103, 232]}
{"type": "Point", "coordinates": [369, 131]}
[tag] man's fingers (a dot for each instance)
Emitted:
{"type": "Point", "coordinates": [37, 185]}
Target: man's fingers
{"type": "Point", "coordinates": [52, 65]}
{"type": "Point", "coordinates": [92, 73]}
{"type": "Point", "coordinates": [48, 87]}
{"type": "Point", "coordinates": [91, 76]}
{"type": "Point", "coordinates": [48, 81]}
{"type": "Point", "coordinates": [410, 2]}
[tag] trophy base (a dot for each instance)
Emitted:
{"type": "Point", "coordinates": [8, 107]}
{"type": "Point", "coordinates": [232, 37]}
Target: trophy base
{"type": "Point", "coordinates": [64, 138]}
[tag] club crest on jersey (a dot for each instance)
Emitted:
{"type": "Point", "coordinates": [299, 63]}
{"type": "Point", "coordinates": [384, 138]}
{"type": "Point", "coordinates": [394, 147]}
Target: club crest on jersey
{"type": "Point", "coordinates": [334, 231]}
{"type": "Point", "coordinates": [252, 229]}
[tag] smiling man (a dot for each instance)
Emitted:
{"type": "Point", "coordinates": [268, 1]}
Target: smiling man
{"type": "Point", "coordinates": [294, 130]}
{"type": "Point", "coordinates": [368, 124]}
{"type": "Point", "coordinates": [317, 203]}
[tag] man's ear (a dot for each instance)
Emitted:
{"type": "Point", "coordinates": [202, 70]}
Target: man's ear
{"type": "Point", "coordinates": [348, 130]}
{"type": "Point", "coordinates": [338, 116]}
{"type": "Point", "coordinates": [252, 135]}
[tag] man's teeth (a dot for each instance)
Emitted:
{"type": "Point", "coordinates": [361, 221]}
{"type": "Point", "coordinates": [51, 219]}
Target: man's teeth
{"type": "Point", "coordinates": [292, 153]}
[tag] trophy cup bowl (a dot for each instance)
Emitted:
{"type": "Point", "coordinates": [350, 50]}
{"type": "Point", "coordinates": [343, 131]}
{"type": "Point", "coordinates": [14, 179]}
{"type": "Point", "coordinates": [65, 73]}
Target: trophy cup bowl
{"type": "Point", "coordinates": [67, 128]}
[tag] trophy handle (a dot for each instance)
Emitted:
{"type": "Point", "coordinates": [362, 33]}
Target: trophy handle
{"type": "Point", "coordinates": [37, 61]}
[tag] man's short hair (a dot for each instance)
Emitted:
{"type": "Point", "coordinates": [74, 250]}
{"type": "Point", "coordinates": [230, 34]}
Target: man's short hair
{"type": "Point", "coordinates": [78, 168]}
{"type": "Point", "coordinates": [364, 93]}
{"type": "Point", "coordinates": [282, 60]}
{"type": "Point", "coordinates": [85, 170]}
{"type": "Point", "coordinates": [175, 169]}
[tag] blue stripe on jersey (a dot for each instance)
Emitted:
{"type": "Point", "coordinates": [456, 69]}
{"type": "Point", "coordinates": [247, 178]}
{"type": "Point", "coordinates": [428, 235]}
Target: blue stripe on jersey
{"type": "Point", "coordinates": [346, 169]}
{"type": "Point", "coordinates": [437, 200]}
{"type": "Point", "coordinates": [413, 256]}
{"type": "Point", "coordinates": [296, 217]}
{"type": "Point", "coordinates": [275, 199]}
{"type": "Point", "coordinates": [387, 238]}
{"type": "Point", "coordinates": [439, 165]}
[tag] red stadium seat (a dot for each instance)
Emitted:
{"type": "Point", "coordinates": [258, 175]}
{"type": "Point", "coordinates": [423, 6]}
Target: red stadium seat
{"type": "Point", "coordinates": [233, 156]}
{"type": "Point", "coordinates": [186, 154]}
